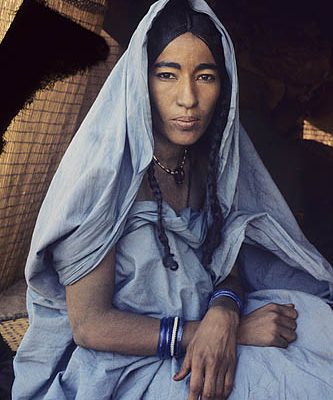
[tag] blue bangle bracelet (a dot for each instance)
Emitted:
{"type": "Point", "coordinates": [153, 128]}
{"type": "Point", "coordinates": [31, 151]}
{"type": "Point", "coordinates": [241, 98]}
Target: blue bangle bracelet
{"type": "Point", "coordinates": [170, 322]}
{"type": "Point", "coordinates": [162, 339]}
{"type": "Point", "coordinates": [165, 338]}
{"type": "Point", "coordinates": [226, 293]}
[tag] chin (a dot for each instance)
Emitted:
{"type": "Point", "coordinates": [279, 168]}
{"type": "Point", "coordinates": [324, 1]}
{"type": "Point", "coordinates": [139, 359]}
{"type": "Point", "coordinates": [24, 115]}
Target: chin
{"type": "Point", "coordinates": [185, 138]}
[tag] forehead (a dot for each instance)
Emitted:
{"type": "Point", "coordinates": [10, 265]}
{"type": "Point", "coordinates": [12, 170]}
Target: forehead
{"type": "Point", "coordinates": [186, 48]}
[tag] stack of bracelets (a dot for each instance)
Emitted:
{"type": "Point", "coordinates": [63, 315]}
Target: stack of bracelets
{"type": "Point", "coordinates": [171, 333]}
{"type": "Point", "coordinates": [172, 328]}
{"type": "Point", "coordinates": [226, 293]}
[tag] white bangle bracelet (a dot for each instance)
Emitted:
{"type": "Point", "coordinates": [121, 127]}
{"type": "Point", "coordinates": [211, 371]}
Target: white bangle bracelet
{"type": "Point", "coordinates": [173, 337]}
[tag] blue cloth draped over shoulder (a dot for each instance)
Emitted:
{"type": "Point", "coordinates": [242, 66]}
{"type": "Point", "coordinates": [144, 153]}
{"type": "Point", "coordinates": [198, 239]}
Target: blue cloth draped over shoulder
{"type": "Point", "coordinates": [90, 206]}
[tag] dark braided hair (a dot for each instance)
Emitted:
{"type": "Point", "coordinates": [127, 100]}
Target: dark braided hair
{"type": "Point", "coordinates": [176, 19]}
{"type": "Point", "coordinates": [168, 260]}
{"type": "Point", "coordinates": [213, 237]}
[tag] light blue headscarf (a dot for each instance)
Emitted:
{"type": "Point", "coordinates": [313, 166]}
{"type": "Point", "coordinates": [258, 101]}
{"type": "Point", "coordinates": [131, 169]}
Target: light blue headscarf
{"type": "Point", "coordinates": [85, 209]}
{"type": "Point", "coordinates": [88, 208]}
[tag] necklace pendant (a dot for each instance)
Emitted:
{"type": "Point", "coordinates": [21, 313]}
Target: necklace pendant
{"type": "Point", "coordinates": [179, 176]}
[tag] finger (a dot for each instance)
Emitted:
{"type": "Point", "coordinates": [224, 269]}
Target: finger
{"type": "Point", "coordinates": [288, 334]}
{"type": "Point", "coordinates": [219, 386]}
{"type": "Point", "coordinates": [229, 381]}
{"type": "Point", "coordinates": [208, 391]}
{"type": "Point", "coordinates": [185, 369]}
{"type": "Point", "coordinates": [288, 310]}
{"type": "Point", "coordinates": [280, 341]}
{"type": "Point", "coordinates": [196, 382]}
{"type": "Point", "coordinates": [287, 322]}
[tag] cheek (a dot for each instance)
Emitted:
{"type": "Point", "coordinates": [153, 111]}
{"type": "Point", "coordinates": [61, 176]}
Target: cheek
{"type": "Point", "coordinates": [210, 102]}
{"type": "Point", "coordinates": [158, 100]}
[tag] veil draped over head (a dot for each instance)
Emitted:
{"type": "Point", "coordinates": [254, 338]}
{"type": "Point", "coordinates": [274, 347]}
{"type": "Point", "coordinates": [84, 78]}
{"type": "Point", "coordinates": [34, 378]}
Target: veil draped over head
{"type": "Point", "coordinates": [85, 209]}
{"type": "Point", "coordinates": [90, 207]}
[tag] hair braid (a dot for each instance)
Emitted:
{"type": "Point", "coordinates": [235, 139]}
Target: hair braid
{"type": "Point", "coordinates": [213, 238]}
{"type": "Point", "coordinates": [168, 259]}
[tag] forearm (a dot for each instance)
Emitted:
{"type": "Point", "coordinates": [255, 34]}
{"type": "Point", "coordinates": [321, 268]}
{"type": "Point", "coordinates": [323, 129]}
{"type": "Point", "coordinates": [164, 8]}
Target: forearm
{"type": "Point", "coordinates": [119, 331]}
{"type": "Point", "coordinates": [232, 283]}
{"type": "Point", "coordinates": [125, 333]}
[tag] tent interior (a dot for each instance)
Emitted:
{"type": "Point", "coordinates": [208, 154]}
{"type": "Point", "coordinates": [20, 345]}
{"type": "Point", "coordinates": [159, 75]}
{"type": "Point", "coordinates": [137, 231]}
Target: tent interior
{"type": "Point", "coordinates": [285, 59]}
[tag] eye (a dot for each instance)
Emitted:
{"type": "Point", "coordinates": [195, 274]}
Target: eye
{"type": "Point", "coordinates": [165, 76]}
{"type": "Point", "coordinates": [206, 77]}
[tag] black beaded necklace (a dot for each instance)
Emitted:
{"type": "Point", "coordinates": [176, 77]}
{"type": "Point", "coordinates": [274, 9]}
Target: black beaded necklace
{"type": "Point", "coordinates": [178, 173]}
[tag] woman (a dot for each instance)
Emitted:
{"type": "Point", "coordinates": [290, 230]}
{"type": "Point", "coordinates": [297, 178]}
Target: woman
{"type": "Point", "coordinates": [132, 260]}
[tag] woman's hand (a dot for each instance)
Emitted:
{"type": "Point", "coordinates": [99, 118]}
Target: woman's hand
{"type": "Point", "coordinates": [211, 355]}
{"type": "Point", "coordinates": [270, 325]}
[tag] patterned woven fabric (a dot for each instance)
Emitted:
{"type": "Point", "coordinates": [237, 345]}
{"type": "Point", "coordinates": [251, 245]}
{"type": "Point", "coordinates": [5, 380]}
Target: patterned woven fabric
{"type": "Point", "coordinates": [37, 139]}
{"type": "Point", "coordinates": [93, 7]}
{"type": "Point", "coordinates": [12, 331]}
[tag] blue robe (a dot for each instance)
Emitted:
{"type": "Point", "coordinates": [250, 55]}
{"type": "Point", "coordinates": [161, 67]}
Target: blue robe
{"type": "Point", "coordinates": [90, 206]}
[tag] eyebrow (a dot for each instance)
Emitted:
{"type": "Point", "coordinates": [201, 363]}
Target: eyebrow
{"type": "Point", "coordinates": [203, 66]}
{"type": "Point", "coordinates": [199, 67]}
{"type": "Point", "coordinates": [167, 64]}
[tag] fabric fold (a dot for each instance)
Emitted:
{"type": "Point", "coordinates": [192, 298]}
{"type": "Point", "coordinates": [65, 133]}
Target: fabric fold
{"type": "Point", "coordinates": [91, 206]}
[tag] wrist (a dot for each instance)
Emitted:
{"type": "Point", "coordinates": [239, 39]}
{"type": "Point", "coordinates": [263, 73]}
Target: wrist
{"type": "Point", "coordinates": [225, 311]}
{"type": "Point", "coordinates": [226, 304]}
{"type": "Point", "coordinates": [190, 328]}
{"type": "Point", "coordinates": [226, 298]}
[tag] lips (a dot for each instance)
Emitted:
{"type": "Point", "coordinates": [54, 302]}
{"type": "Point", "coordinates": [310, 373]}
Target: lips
{"type": "Point", "coordinates": [186, 123]}
{"type": "Point", "coordinates": [186, 119]}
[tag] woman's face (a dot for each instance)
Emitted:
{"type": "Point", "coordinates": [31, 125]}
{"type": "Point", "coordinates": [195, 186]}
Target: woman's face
{"type": "Point", "coordinates": [184, 86]}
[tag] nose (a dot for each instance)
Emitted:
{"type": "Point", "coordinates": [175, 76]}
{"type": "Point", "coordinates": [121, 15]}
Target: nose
{"type": "Point", "coordinates": [186, 94]}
